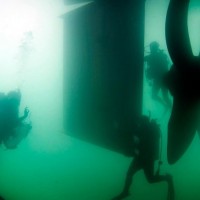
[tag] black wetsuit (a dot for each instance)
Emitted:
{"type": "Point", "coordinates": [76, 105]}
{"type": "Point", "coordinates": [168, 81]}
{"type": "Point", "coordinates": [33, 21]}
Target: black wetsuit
{"type": "Point", "coordinates": [147, 152]}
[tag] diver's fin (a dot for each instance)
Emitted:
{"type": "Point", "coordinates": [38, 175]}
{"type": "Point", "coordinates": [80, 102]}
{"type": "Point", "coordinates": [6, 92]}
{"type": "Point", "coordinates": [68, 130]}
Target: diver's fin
{"type": "Point", "coordinates": [181, 128]}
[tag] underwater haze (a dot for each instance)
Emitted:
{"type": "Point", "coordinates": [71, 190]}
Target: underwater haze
{"type": "Point", "coordinates": [48, 164]}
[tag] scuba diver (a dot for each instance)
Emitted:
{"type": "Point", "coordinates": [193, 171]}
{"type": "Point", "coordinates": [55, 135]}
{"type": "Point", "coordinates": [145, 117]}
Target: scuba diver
{"type": "Point", "coordinates": [12, 127]}
{"type": "Point", "coordinates": [157, 66]}
{"type": "Point", "coordinates": [146, 143]}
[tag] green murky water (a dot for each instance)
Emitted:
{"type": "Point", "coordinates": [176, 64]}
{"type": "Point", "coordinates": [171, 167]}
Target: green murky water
{"type": "Point", "coordinates": [49, 165]}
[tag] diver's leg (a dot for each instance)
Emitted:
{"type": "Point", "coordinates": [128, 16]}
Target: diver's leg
{"type": "Point", "coordinates": [155, 178]}
{"type": "Point", "coordinates": [165, 95]}
{"type": "Point", "coordinates": [133, 168]}
{"type": "Point", "coordinates": [155, 91]}
{"type": "Point", "coordinates": [148, 167]}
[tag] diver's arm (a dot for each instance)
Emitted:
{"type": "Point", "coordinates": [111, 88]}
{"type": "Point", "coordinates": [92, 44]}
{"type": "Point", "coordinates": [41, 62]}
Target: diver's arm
{"type": "Point", "coordinates": [26, 112]}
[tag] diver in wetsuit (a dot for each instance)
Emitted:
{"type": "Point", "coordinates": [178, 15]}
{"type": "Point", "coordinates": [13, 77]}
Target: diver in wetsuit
{"type": "Point", "coordinates": [146, 152]}
{"type": "Point", "coordinates": [157, 66]}
{"type": "Point", "coordinates": [12, 127]}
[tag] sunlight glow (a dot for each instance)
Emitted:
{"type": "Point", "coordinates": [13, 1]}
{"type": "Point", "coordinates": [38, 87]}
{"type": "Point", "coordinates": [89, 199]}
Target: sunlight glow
{"type": "Point", "coordinates": [16, 19]}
